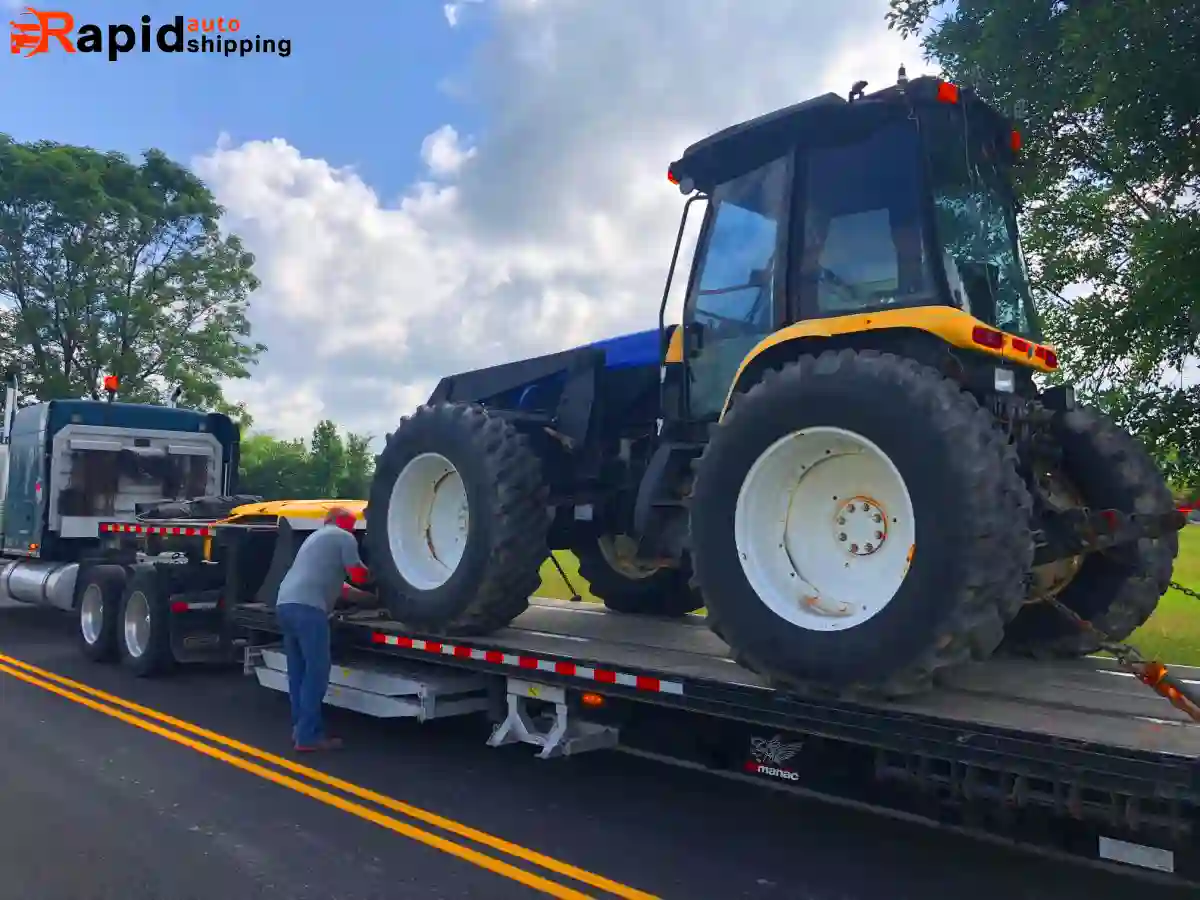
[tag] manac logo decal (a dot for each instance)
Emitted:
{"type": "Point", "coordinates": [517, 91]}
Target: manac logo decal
{"type": "Point", "coordinates": [769, 755]}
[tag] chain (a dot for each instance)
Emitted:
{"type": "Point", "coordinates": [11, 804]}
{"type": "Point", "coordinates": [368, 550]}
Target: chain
{"type": "Point", "coordinates": [1151, 673]}
{"type": "Point", "coordinates": [1186, 591]}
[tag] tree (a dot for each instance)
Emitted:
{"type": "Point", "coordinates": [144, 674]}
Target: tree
{"type": "Point", "coordinates": [1110, 180]}
{"type": "Point", "coordinates": [111, 267]}
{"type": "Point", "coordinates": [273, 469]}
{"type": "Point", "coordinates": [329, 467]}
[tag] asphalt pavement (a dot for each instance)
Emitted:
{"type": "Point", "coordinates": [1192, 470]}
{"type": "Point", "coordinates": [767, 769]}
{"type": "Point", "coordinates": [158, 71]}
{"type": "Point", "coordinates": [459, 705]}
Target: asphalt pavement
{"type": "Point", "coordinates": [196, 795]}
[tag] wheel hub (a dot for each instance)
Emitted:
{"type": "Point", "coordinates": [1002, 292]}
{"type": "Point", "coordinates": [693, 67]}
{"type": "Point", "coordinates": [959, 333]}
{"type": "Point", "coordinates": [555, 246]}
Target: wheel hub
{"type": "Point", "coordinates": [91, 614]}
{"type": "Point", "coordinates": [861, 526]}
{"type": "Point", "coordinates": [428, 521]}
{"type": "Point", "coordinates": [824, 528]}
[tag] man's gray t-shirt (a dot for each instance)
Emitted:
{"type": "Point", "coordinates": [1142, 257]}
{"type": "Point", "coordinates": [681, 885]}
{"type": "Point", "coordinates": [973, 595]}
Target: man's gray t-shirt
{"type": "Point", "coordinates": [319, 569]}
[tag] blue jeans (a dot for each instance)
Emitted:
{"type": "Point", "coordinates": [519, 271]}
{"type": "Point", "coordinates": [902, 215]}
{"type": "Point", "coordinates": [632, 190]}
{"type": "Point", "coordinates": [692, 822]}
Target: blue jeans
{"type": "Point", "coordinates": [306, 643]}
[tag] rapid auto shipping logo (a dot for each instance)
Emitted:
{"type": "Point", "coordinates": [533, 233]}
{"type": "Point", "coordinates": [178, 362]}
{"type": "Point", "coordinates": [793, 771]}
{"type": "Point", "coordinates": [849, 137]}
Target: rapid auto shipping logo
{"type": "Point", "coordinates": [180, 35]}
{"type": "Point", "coordinates": [770, 755]}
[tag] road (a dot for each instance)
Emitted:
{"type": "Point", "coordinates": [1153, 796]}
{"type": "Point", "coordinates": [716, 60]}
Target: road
{"type": "Point", "coordinates": [102, 800]}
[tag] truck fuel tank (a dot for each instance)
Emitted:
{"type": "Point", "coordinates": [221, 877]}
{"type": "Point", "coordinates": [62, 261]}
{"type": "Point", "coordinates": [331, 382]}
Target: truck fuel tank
{"type": "Point", "coordinates": [40, 582]}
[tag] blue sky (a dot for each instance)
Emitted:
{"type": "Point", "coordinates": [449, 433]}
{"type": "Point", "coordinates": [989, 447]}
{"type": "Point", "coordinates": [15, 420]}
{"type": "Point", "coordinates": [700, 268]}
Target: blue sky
{"type": "Point", "coordinates": [356, 90]}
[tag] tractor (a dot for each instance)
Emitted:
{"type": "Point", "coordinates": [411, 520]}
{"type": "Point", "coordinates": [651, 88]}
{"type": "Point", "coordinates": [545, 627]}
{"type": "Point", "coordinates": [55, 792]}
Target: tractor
{"type": "Point", "coordinates": [853, 451]}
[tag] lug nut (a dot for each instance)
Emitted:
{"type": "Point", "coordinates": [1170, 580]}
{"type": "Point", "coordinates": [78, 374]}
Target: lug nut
{"type": "Point", "coordinates": [841, 520]}
{"type": "Point", "coordinates": [879, 535]}
{"type": "Point", "coordinates": [869, 548]}
{"type": "Point", "coordinates": [877, 518]}
{"type": "Point", "coordinates": [842, 536]}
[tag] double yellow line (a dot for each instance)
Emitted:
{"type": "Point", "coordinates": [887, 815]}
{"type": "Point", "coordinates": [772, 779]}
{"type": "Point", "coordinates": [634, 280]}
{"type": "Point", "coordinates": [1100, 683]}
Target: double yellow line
{"type": "Point", "coordinates": [145, 718]}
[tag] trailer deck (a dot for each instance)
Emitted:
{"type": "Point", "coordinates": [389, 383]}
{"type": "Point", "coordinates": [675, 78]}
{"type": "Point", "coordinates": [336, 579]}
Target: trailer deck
{"type": "Point", "coordinates": [1087, 700]}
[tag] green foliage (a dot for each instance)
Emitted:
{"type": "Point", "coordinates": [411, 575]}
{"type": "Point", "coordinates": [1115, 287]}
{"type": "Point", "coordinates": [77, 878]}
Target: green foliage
{"type": "Point", "coordinates": [1110, 184]}
{"type": "Point", "coordinates": [328, 467]}
{"type": "Point", "coordinates": [111, 267]}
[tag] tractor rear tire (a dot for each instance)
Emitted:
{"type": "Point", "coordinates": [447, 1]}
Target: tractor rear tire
{"type": "Point", "coordinates": [785, 552]}
{"type": "Point", "coordinates": [457, 521]}
{"type": "Point", "coordinates": [1116, 591]}
{"type": "Point", "coordinates": [658, 592]}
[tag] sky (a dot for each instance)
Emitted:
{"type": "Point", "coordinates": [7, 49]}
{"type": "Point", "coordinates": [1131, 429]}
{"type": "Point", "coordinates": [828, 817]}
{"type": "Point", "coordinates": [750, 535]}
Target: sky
{"type": "Point", "coordinates": [434, 187]}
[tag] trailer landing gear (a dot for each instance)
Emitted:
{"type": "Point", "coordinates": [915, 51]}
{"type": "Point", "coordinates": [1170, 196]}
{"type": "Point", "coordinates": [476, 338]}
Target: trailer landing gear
{"type": "Point", "coordinates": [558, 733]}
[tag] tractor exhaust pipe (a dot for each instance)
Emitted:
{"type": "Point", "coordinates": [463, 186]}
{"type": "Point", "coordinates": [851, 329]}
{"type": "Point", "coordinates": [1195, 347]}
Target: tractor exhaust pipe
{"type": "Point", "coordinates": [10, 407]}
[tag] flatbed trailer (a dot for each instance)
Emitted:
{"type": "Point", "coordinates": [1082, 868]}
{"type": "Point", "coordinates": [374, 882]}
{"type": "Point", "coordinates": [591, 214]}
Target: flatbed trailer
{"type": "Point", "coordinates": [1072, 758]}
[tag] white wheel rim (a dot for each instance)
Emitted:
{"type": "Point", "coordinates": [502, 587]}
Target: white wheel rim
{"type": "Point", "coordinates": [428, 520]}
{"type": "Point", "coordinates": [824, 529]}
{"type": "Point", "coordinates": [137, 624]}
{"type": "Point", "coordinates": [91, 613]}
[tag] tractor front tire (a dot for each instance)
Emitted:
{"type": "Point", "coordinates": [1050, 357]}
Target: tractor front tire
{"type": "Point", "coordinates": [654, 592]}
{"type": "Point", "coordinates": [859, 526]}
{"type": "Point", "coordinates": [1115, 591]}
{"type": "Point", "coordinates": [457, 521]}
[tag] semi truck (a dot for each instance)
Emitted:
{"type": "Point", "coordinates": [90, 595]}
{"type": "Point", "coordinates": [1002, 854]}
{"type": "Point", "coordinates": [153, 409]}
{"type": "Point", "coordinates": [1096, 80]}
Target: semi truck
{"type": "Point", "coordinates": [66, 466]}
{"type": "Point", "coordinates": [912, 631]}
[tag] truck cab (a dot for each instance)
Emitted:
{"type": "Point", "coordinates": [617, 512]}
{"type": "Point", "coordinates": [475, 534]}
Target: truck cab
{"type": "Point", "coordinates": [68, 465]}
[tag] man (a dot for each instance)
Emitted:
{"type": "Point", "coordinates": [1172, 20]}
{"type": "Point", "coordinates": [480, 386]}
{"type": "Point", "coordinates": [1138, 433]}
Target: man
{"type": "Point", "coordinates": [308, 595]}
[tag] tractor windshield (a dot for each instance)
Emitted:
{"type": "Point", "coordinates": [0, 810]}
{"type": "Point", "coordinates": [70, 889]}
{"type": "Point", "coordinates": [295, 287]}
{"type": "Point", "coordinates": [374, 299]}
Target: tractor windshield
{"type": "Point", "coordinates": [974, 213]}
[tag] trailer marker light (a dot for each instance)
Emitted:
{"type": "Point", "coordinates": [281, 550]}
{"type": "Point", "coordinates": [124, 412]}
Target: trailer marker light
{"type": "Point", "coordinates": [590, 699]}
{"type": "Point", "coordinates": [111, 383]}
{"type": "Point", "coordinates": [1016, 141]}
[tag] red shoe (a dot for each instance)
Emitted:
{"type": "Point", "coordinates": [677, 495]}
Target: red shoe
{"type": "Point", "coordinates": [322, 744]}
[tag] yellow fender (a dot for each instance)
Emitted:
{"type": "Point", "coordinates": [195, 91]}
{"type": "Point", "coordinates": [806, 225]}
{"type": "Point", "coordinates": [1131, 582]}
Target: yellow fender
{"type": "Point", "coordinates": [951, 325]}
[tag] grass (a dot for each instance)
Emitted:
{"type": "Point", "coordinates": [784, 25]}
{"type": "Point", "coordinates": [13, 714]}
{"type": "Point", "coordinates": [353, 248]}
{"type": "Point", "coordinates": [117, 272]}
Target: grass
{"type": "Point", "coordinates": [1172, 634]}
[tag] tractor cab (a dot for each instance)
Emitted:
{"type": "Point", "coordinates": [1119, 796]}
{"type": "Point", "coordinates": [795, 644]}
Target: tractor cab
{"type": "Point", "coordinates": [833, 210]}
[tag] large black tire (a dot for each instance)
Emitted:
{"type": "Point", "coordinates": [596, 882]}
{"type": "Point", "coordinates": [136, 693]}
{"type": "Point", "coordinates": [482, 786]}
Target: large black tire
{"type": "Point", "coordinates": [507, 521]}
{"type": "Point", "coordinates": [663, 592]}
{"type": "Point", "coordinates": [99, 610]}
{"type": "Point", "coordinates": [968, 561]}
{"type": "Point", "coordinates": [1119, 590]}
{"type": "Point", "coordinates": [151, 655]}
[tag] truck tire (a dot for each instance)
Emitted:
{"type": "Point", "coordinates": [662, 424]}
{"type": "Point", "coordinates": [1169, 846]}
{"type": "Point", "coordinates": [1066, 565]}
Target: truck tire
{"type": "Point", "coordinates": [654, 592]}
{"type": "Point", "coordinates": [144, 632]}
{"type": "Point", "coordinates": [457, 521]}
{"type": "Point", "coordinates": [1116, 591]}
{"type": "Point", "coordinates": [859, 526]}
{"type": "Point", "coordinates": [99, 610]}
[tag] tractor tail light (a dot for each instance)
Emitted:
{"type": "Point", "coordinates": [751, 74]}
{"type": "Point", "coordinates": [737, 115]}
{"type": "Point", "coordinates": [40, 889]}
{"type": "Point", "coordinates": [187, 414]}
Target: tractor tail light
{"type": "Point", "coordinates": [1048, 356]}
{"type": "Point", "coordinates": [947, 92]}
{"type": "Point", "coordinates": [986, 337]}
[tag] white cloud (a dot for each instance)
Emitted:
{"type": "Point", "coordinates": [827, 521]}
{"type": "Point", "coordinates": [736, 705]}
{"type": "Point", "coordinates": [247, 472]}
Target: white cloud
{"type": "Point", "coordinates": [454, 11]}
{"type": "Point", "coordinates": [441, 152]}
{"type": "Point", "coordinates": [559, 229]}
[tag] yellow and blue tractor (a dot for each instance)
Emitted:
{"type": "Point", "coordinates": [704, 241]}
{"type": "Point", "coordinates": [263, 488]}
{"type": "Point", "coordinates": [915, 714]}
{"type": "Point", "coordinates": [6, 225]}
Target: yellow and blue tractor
{"type": "Point", "coordinates": [850, 450]}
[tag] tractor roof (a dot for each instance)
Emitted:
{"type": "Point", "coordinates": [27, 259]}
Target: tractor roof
{"type": "Point", "coordinates": [829, 118]}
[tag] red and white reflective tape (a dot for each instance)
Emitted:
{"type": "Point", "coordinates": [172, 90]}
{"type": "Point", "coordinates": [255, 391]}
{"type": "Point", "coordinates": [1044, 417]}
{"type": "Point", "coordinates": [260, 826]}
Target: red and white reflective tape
{"type": "Point", "coordinates": [532, 664]}
{"type": "Point", "coordinates": [181, 530]}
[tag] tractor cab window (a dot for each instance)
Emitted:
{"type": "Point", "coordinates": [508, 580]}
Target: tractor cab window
{"type": "Point", "coordinates": [974, 213]}
{"type": "Point", "coordinates": [863, 246]}
{"type": "Point", "coordinates": [732, 304]}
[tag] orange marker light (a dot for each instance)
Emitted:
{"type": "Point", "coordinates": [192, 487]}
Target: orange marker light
{"type": "Point", "coordinates": [111, 383]}
{"type": "Point", "coordinates": [947, 92]}
{"type": "Point", "coordinates": [590, 699]}
{"type": "Point", "coordinates": [671, 177]}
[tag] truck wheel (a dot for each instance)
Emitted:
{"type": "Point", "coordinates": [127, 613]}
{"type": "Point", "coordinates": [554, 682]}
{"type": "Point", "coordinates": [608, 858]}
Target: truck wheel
{"type": "Point", "coordinates": [457, 521]}
{"type": "Point", "coordinates": [858, 525]}
{"type": "Point", "coordinates": [144, 636]}
{"type": "Point", "coordinates": [99, 610]}
{"type": "Point", "coordinates": [627, 587]}
{"type": "Point", "coordinates": [1116, 591]}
